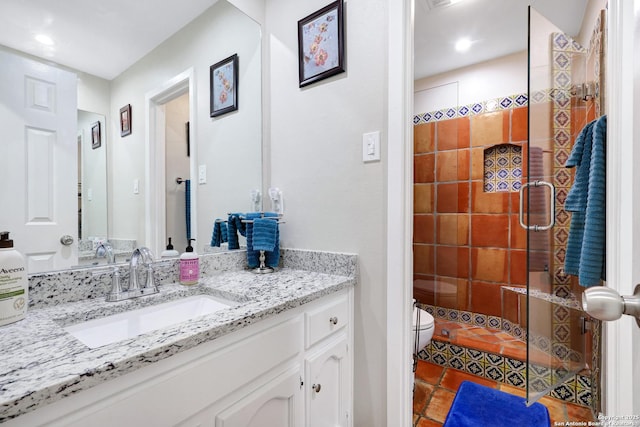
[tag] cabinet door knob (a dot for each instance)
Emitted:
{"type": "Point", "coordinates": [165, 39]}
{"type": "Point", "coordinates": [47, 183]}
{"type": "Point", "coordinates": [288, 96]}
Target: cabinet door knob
{"type": "Point", "coordinates": [316, 387]}
{"type": "Point", "coordinates": [333, 320]}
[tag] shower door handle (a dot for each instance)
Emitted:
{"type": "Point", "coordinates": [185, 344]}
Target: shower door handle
{"type": "Point", "coordinates": [552, 205]}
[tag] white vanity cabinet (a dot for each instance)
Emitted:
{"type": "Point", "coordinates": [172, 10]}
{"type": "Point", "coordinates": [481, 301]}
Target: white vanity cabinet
{"type": "Point", "coordinates": [328, 364]}
{"type": "Point", "coordinates": [291, 369]}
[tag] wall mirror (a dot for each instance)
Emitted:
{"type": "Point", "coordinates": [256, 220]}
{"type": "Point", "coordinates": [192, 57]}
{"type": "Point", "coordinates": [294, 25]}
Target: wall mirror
{"type": "Point", "coordinates": [227, 148]}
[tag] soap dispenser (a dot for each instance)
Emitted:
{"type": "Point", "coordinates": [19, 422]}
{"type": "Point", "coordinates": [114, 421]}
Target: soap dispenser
{"type": "Point", "coordinates": [189, 266]}
{"type": "Point", "coordinates": [169, 252]}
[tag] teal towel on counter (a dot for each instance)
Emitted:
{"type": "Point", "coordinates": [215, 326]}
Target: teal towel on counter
{"type": "Point", "coordinates": [585, 256]}
{"type": "Point", "coordinates": [219, 235]}
{"type": "Point", "coordinates": [235, 226]}
{"type": "Point", "coordinates": [252, 255]}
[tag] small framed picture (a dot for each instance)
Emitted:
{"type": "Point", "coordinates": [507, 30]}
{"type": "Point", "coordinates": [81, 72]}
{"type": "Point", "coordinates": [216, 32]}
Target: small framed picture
{"type": "Point", "coordinates": [125, 120]}
{"type": "Point", "coordinates": [96, 135]}
{"type": "Point", "coordinates": [321, 44]}
{"type": "Point", "coordinates": [223, 78]}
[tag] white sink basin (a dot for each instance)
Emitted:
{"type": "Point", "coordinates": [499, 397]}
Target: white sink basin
{"type": "Point", "coordinates": [106, 330]}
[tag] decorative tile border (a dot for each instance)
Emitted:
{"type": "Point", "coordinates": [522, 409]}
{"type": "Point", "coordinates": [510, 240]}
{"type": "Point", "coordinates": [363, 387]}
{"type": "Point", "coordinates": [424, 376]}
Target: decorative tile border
{"type": "Point", "coordinates": [576, 389]}
{"type": "Point", "coordinates": [496, 104]}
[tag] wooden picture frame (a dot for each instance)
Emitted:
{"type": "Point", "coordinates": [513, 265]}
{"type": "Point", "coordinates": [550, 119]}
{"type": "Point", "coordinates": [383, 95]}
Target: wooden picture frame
{"type": "Point", "coordinates": [96, 135]}
{"type": "Point", "coordinates": [321, 44]}
{"type": "Point", "coordinates": [125, 120]}
{"type": "Point", "coordinates": [223, 80]}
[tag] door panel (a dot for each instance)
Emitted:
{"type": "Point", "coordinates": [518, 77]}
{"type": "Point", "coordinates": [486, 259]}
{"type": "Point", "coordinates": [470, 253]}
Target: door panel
{"type": "Point", "coordinates": [559, 341]}
{"type": "Point", "coordinates": [38, 115]}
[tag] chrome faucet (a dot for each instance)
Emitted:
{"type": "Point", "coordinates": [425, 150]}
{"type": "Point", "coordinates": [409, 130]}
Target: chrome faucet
{"type": "Point", "coordinates": [105, 249]}
{"type": "Point", "coordinates": [140, 256]}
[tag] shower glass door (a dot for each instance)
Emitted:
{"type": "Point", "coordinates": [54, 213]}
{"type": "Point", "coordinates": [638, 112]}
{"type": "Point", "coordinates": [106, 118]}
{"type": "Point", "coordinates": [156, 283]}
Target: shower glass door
{"type": "Point", "coordinates": [558, 338]}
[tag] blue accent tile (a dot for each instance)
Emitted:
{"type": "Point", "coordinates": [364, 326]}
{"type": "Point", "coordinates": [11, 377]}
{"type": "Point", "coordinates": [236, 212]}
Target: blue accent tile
{"type": "Point", "coordinates": [521, 100]}
{"type": "Point", "coordinates": [506, 103]}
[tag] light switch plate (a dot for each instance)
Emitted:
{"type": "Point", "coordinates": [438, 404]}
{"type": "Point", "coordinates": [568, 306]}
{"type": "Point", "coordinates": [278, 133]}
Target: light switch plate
{"type": "Point", "coordinates": [371, 147]}
{"type": "Point", "coordinates": [136, 186]}
{"type": "Point", "coordinates": [202, 174]}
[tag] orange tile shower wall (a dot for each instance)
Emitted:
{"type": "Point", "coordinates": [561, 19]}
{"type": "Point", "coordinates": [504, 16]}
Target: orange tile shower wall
{"type": "Point", "coordinates": [467, 242]}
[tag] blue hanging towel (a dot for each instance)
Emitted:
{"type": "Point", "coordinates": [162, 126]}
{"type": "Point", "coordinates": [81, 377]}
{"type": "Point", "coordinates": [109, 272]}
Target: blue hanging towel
{"type": "Point", "coordinates": [252, 255]}
{"type": "Point", "coordinates": [187, 206]}
{"type": "Point", "coordinates": [273, 257]}
{"type": "Point", "coordinates": [219, 234]}
{"type": "Point", "coordinates": [585, 256]}
{"type": "Point", "coordinates": [235, 226]}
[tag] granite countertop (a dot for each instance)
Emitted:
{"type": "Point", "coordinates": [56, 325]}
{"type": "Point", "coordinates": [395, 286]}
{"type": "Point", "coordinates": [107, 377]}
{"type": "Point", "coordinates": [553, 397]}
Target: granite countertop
{"type": "Point", "coordinates": [41, 363]}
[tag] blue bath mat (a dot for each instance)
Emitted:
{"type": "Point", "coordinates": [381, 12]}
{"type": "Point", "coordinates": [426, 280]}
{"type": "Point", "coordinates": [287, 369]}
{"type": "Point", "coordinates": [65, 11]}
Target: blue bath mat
{"type": "Point", "coordinates": [478, 405]}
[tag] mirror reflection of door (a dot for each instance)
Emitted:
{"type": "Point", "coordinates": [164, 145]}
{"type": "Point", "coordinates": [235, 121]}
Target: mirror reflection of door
{"type": "Point", "coordinates": [176, 166]}
{"type": "Point", "coordinates": [92, 176]}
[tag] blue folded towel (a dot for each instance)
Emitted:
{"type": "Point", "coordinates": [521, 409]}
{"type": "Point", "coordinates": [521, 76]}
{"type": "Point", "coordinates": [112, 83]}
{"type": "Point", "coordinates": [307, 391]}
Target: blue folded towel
{"type": "Point", "coordinates": [235, 226]}
{"type": "Point", "coordinates": [264, 234]}
{"type": "Point", "coordinates": [252, 255]}
{"type": "Point", "coordinates": [219, 235]}
{"type": "Point", "coordinates": [478, 405]}
{"type": "Point", "coordinates": [585, 256]}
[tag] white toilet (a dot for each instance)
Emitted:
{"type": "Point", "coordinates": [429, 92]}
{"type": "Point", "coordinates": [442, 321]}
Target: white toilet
{"type": "Point", "coordinates": [423, 325]}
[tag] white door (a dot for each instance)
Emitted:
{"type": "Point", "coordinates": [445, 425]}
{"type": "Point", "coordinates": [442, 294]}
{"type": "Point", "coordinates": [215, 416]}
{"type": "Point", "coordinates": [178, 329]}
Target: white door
{"type": "Point", "coordinates": [621, 345]}
{"type": "Point", "coordinates": [38, 149]}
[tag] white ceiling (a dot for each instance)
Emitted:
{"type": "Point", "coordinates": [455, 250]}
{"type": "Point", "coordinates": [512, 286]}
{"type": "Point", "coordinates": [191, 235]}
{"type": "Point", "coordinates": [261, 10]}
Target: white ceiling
{"type": "Point", "coordinates": [105, 37]}
{"type": "Point", "coordinates": [100, 37]}
{"type": "Point", "coordinates": [495, 27]}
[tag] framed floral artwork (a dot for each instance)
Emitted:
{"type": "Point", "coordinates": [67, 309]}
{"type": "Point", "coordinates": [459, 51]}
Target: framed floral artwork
{"type": "Point", "coordinates": [125, 120]}
{"type": "Point", "coordinates": [96, 135]}
{"type": "Point", "coordinates": [223, 78]}
{"type": "Point", "coordinates": [321, 44]}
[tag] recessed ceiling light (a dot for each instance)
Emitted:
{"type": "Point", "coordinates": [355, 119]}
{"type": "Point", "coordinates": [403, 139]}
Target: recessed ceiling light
{"type": "Point", "coordinates": [463, 45]}
{"type": "Point", "coordinates": [44, 39]}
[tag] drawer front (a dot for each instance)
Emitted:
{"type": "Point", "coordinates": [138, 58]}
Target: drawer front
{"type": "Point", "coordinates": [326, 319]}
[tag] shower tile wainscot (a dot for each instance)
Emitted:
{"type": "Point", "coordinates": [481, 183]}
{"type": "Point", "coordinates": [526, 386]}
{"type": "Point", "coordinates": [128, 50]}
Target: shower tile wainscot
{"type": "Point", "coordinates": [495, 349]}
{"type": "Point", "coordinates": [45, 369]}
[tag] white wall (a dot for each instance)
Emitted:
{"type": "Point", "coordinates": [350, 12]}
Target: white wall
{"type": "Point", "coordinates": [488, 80]}
{"type": "Point", "coordinates": [334, 201]}
{"type": "Point", "coordinates": [228, 145]}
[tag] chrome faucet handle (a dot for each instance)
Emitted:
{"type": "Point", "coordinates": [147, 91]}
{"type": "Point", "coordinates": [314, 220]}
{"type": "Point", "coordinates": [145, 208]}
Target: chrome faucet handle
{"type": "Point", "coordinates": [134, 285]}
{"type": "Point", "coordinates": [116, 287]}
{"type": "Point", "coordinates": [147, 259]}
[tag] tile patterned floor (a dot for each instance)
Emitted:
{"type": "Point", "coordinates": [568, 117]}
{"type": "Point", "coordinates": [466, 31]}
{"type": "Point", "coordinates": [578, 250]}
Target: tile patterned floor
{"type": "Point", "coordinates": [436, 387]}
